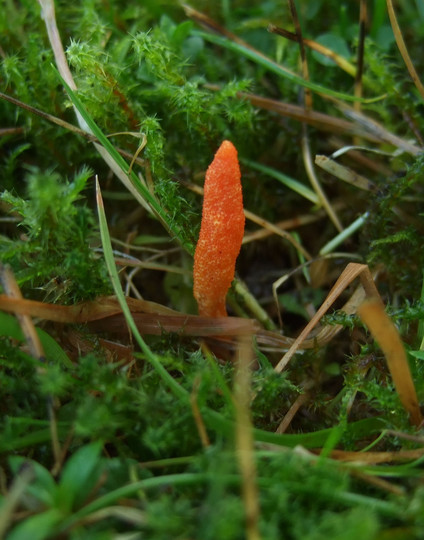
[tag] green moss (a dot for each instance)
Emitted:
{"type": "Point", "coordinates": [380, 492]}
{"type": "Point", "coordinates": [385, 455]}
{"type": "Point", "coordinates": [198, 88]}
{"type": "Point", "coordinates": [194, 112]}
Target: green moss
{"type": "Point", "coordinates": [53, 252]}
{"type": "Point", "coordinates": [144, 74]}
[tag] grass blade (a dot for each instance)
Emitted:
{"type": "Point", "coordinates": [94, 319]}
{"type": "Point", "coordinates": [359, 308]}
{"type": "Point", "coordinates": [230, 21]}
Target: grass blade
{"type": "Point", "coordinates": [113, 273]}
{"type": "Point", "coordinates": [269, 64]}
{"type": "Point", "coordinates": [132, 183]}
{"type": "Point", "coordinates": [385, 333]}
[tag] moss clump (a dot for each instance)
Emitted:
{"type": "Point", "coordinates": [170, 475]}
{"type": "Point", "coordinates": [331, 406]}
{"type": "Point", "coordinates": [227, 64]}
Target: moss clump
{"type": "Point", "coordinates": [53, 252]}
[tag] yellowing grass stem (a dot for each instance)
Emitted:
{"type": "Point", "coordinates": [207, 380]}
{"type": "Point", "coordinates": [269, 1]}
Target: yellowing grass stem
{"type": "Point", "coordinates": [385, 333]}
{"type": "Point", "coordinates": [402, 48]}
{"type": "Point", "coordinates": [244, 437]}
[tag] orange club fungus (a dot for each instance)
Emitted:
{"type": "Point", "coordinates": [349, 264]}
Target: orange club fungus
{"type": "Point", "coordinates": [221, 232]}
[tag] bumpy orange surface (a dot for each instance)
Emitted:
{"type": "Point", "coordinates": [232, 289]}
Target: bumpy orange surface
{"type": "Point", "coordinates": [221, 232]}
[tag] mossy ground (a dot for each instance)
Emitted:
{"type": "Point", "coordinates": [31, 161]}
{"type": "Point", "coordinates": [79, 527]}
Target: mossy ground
{"type": "Point", "coordinates": [104, 438]}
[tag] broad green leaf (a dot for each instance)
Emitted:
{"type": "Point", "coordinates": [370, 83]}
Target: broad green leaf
{"type": "Point", "coordinates": [37, 527]}
{"type": "Point", "coordinates": [334, 42]}
{"type": "Point", "coordinates": [43, 487]}
{"type": "Point", "coordinates": [9, 327]}
{"type": "Point", "coordinates": [79, 476]}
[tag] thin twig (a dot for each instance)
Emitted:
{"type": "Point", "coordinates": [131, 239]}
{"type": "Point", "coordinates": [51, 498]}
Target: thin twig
{"type": "Point", "coordinates": [307, 159]}
{"type": "Point", "coordinates": [69, 127]}
{"type": "Point", "coordinates": [288, 417]}
{"type": "Point", "coordinates": [402, 48]}
{"type": "Point", "coordinates": [244, 437]}
{"type": "Point", "coordinates": [352, 271]}
{"type": "Point", "coordinates": [11, 288]}
{"type": "Point", "coordinates": [200, 424]}
{"type": "Point", "coordinates": [306, 151]}
{"type": "Point", "coordinates": [12, 291]}
{"type": "Point", "coordinates": [304, 61]}
{"type": "Point", "coordinates": [261, 222]}
{"type": "Point", "coordinates": [320, 120]}
{"type": "Point", "coordinates": [360, 54]}
{"type": "Point", "coordinates": [48, 13]}
{"type": "Point", "coordinates": [341, 62]}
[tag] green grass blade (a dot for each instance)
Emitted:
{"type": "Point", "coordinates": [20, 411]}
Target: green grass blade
{"type": "Point", "coordinates": [314, 439]}
{"type": "Point", "coordinates": [292, 184]}
{"type": "Point", "coordinates": [9, 327]}
{"type": "Point", "coordinates": [341, 237]}
{"type": "Point", "coordinates": [133, 185]}
{"type": "Point", "coordinates": [41, 436]}
{"type": "Point", "coordinates": [269, 64]}
{"type": "Point", "coordinates": [113, 273]}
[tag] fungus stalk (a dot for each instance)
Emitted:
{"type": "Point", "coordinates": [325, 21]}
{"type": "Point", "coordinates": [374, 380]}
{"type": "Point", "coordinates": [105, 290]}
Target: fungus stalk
{"type": "Point", "coordinates": [221, 232]}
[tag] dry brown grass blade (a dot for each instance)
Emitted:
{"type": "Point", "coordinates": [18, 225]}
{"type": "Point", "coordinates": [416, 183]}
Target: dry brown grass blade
{"type": "Point", "coordinates": [48, 14]}
{"type": "Point", "coordinates": [185, 325]}
{"type": "Point", "coordinates": [79, 313]}
{"type": "Point", "coordinates": [360, 54]}
{"type": "Point", "coordinates": [47, 116]}
{"type": "Point", "coordinates": [385, 333]}
{"type": "Point", "coordinates": [317, 119]}
{"type": "Point", "coordinates": [279, 231]}
{"type": "Point", "coordinates": [197, 415]}
{"type": "Point", "coordinates": [287, 224]}
{"type": "Point", "coordinates": [377, 130]}
{"type": "Point", "coordinates": [305, 71]}
{"type": "Point", "coordinates": [352, 271]}
{"type": "Point", "coordinates": [244, 436]}
{"type": "Point", "coordinates": [11, 288]}
{"type": "Point", "coordinates": [306, 150]}
{"type": "Point", "coordinates": [105, 315]}
{"type": "Point", "coordinates": [273, 341]}
{"type": "Point", "coordinates": [345, 173]}
{"type": "Point", "coordinates": [12, 497]}
{"type": "Point", "coordinates": [315, 183]}
{"type": "Point", "coordinates": [402, 48]}
{"type": "Point", "coordinates": [62, 123]}
{"type": "Point", "coordinates": [209, 24]}
{"type": "Point", "coordinates": [137, 263]}
{"type": "Point", "coordinates": [298, 403]}
{"type": "Point", "coordinates": [378, 482]}
{"type": "Point", "coordinates": [8, 282]}
{"type": "Point", "coordinates": [375, 458]}
{"type": "Point", "coordinates": [4, 132]}
{"type": "Point", "coordinates": [267, 225]}
{"type": "Point", "coordinates": [337, 59]}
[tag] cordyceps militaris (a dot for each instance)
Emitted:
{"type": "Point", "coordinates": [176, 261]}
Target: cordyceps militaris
{"type": "Point", "coordinates": [221, 232]}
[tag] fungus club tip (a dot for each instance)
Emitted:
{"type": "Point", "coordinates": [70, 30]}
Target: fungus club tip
{"type": "Point", "coordinates": [221, 232]}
